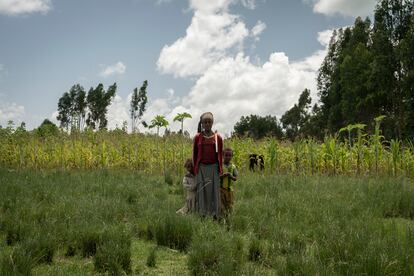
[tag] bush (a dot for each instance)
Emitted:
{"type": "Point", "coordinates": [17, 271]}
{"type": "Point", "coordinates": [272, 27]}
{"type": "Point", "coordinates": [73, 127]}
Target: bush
{"type": "Point", "coordinates": [18, 262]}
{"type": "Point", "coordinates": [88, 241]}
{"type": "Point", "coordinates": [42, 248]}
{"type": "Point", "coordinates": [256, 250]}
{"type": "Point", "coordinates": [152, 258]}
{"type": "Point", "coordinates": [113, 252]}
{"type": "Point", "coordinates": [175, 232]}
{"type": "Point", "coordinates": [215, 251]}
{"type": "Point", "coordinates": [16, 231]}
{"type": "Point", "coordinates": [145, 231]}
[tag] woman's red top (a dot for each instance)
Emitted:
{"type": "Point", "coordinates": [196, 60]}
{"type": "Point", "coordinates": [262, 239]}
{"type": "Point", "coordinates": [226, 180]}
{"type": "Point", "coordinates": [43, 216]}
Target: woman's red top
{"type": "Point", "coordinates": [209, 155]}
{"type": "Point", "coordinates": [204, 151]}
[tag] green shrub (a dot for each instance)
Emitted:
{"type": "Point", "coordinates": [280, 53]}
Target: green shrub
{"type": "Point", "coordinates": [144, 231]}
{"type": "Point", "coordinates": [257, 250]}
{"type": "Point", "coordinates": [42, 248]}
{"type": "Point", "coordinates": [152, 258]}
{"type": "Point", "coordinates": [174, 231]}
{"type": "Point", "coordinates": [113, 253]}
{"type": "Point", "coordinates": [16, 231]}
{"type": "Point", "coordinates": [17, 262]}
{"type": "Point", "coordinates": [215, 251]}
{"type": "Point", "coordinates": [88, 241]}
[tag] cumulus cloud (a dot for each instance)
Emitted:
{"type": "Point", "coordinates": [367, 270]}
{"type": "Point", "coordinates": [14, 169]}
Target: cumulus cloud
{"type": "Point", "coordinates": [118, 112]}
{"type": "Point", "coordinates": [10, 111]}
{"type": "Point", "coordinates": [16, 7]}
{"type": "Point", "coordinates": [117, 69]}
{"type": "Point", "coordinates": [229, 84]}
{"type": "Point", "coordinates": [258, 29]}
{"type": "Point", "coordinates": [344, 7]}
{"type": "Point", "coordinates": [213, 32]}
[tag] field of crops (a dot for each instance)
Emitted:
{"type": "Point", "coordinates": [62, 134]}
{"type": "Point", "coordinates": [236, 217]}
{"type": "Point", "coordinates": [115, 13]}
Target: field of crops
{"type": "Point", "coordinates": [361, 155]}
{"type": "Point", "coordinates": [105, 202]}
{"type": "Point", "coordinates": [118, 221]}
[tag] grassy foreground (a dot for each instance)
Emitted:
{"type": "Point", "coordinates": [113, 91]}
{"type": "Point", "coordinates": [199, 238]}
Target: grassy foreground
{"type": "Point", "coordinates": [117, 222]}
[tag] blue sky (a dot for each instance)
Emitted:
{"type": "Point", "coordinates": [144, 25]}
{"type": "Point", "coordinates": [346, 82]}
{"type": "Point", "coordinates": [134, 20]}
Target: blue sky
{"type": "Point", "coordinates": [232, 57]}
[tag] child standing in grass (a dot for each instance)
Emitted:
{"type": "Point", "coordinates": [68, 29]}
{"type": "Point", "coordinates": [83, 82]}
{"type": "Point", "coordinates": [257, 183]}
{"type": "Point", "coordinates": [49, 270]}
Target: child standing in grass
{"type": "Point", "coordinates": [227, 180]}
{"type": "Point", "coordinates": [190, 186]}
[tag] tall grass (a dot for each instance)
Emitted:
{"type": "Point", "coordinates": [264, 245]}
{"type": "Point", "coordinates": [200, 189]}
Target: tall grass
{"type": "Point", "coordinates": [282, 224]}
{"type": "Point", "coordinates": [363, 155]}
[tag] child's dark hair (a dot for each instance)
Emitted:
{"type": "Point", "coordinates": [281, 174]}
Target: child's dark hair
{"type": "Point", "coordinates": [188, 162]}
{"type": "Point", "coordinates": [228, 149]}
{"type": "Point", "coordinates": [199, 126]}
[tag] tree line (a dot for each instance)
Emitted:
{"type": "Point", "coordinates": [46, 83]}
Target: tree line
{"type": "Point", "coordinates": [77, 108]}
{"type": "Point", "coordinates": [367, 73]}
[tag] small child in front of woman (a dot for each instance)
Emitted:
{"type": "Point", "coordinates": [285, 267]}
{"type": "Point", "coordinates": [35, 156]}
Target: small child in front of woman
{"type": "Point", "coordinates": [190, 186]}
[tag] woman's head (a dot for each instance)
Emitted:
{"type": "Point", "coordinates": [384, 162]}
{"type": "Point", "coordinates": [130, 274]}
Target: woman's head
{"type": "Point", "coordinates": [206, 121]}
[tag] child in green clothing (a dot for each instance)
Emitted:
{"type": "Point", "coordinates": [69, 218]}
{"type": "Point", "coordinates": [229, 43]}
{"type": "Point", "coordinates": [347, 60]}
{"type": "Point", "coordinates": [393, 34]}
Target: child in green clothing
{"type": "Point", "coordinates": [227, 180]}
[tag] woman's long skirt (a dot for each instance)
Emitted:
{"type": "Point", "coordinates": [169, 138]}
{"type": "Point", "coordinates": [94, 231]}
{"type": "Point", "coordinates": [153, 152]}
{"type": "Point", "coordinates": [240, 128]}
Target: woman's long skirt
{"type": "Point", "coordinates": [208, 190]}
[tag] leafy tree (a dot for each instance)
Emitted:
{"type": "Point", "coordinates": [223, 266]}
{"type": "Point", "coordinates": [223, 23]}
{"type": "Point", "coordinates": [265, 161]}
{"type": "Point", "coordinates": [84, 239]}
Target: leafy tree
{"type": "Point", "coordinates": [407, 56]}
{"type": "Point", "coordinates": [295, 118]}
{"type": "Point", "coordinates": [65, 105]}
{"type": "Point", "coordinates": [366, 73]}
{"type": "Point", "coordinates": [258, 127]}
{"type": "Point", "coordinates": [47, 128]}
{"type": "Point", "coordinates": [158, 122]}
{"type": "Point", "coordinates": [98, 101]}
{"type": "Point", "coordinates": [138, 105]}
{"type": "Point", "coordinates": [72, 108]}
{"type": "Point", "coordinates": [180, 117]}
{"type": "Point", "coordinates": [80, 105]}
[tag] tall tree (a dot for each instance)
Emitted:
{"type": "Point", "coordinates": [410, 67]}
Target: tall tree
{"type": "Point", "coordinates": [65, 107]}
{"type": "Point", "coordinates": [138, 105]}
{"type": "Point", "coordinates": [391, 27]}
{"type": "Point", "coordinates": [258, 127]}
{"type": "Point", "coordinates": [80, 105]}
{"type": "Point", "coordinates": [72, 108]}
{"type": "Point", "coordinates": [98, 101]}
{"type": "Point", "coordinates": [407, 57]}
{"type": "Point", "coordinates": [295, 118]}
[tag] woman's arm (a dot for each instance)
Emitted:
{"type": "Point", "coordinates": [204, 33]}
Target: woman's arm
{"type": "Point", "coordinates": [195, 150]}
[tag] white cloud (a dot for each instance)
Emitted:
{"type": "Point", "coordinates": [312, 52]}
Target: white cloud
{"type": "Point", "coordinates": [15, 7]}
{"type": "Point", "coordinates": [250, 4]}
{"type": "Point", "coordinates": [324, 37]}
{"type": "Point", "coordinates": [352, 8]}
{"type": "Point", "coordinates": [117, 69]}
{"type": "Point", "coordinates": [229, 84]}
{"type": "Point", "coordinates": [211, 35]}
{"type": "Point", "coordinates": [258, 30]}
{"type": "Point", "coordinates": [10, 111]}
{"type": "Point", "coordinates": [170, 92]}
{"type": "Point", "coordinates": [118, 112]}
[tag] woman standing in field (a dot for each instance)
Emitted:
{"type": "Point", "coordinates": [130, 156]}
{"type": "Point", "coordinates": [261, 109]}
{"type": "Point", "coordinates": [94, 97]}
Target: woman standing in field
{"type": "Point", "coordinates": [207, 159]}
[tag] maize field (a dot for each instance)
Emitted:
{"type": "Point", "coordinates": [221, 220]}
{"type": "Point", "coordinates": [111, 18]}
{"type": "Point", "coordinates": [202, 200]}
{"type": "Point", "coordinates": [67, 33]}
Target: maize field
{"type": "Point", "coordinates": [363, 155]}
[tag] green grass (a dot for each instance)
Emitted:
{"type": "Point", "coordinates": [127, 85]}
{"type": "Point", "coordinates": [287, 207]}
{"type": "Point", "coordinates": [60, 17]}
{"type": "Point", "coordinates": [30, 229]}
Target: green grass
{"type": "Point", "coordinates": [117, 222]}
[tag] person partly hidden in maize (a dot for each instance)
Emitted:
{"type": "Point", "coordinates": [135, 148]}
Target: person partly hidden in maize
{"type": "Point", "coordinates": [227, 180]}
